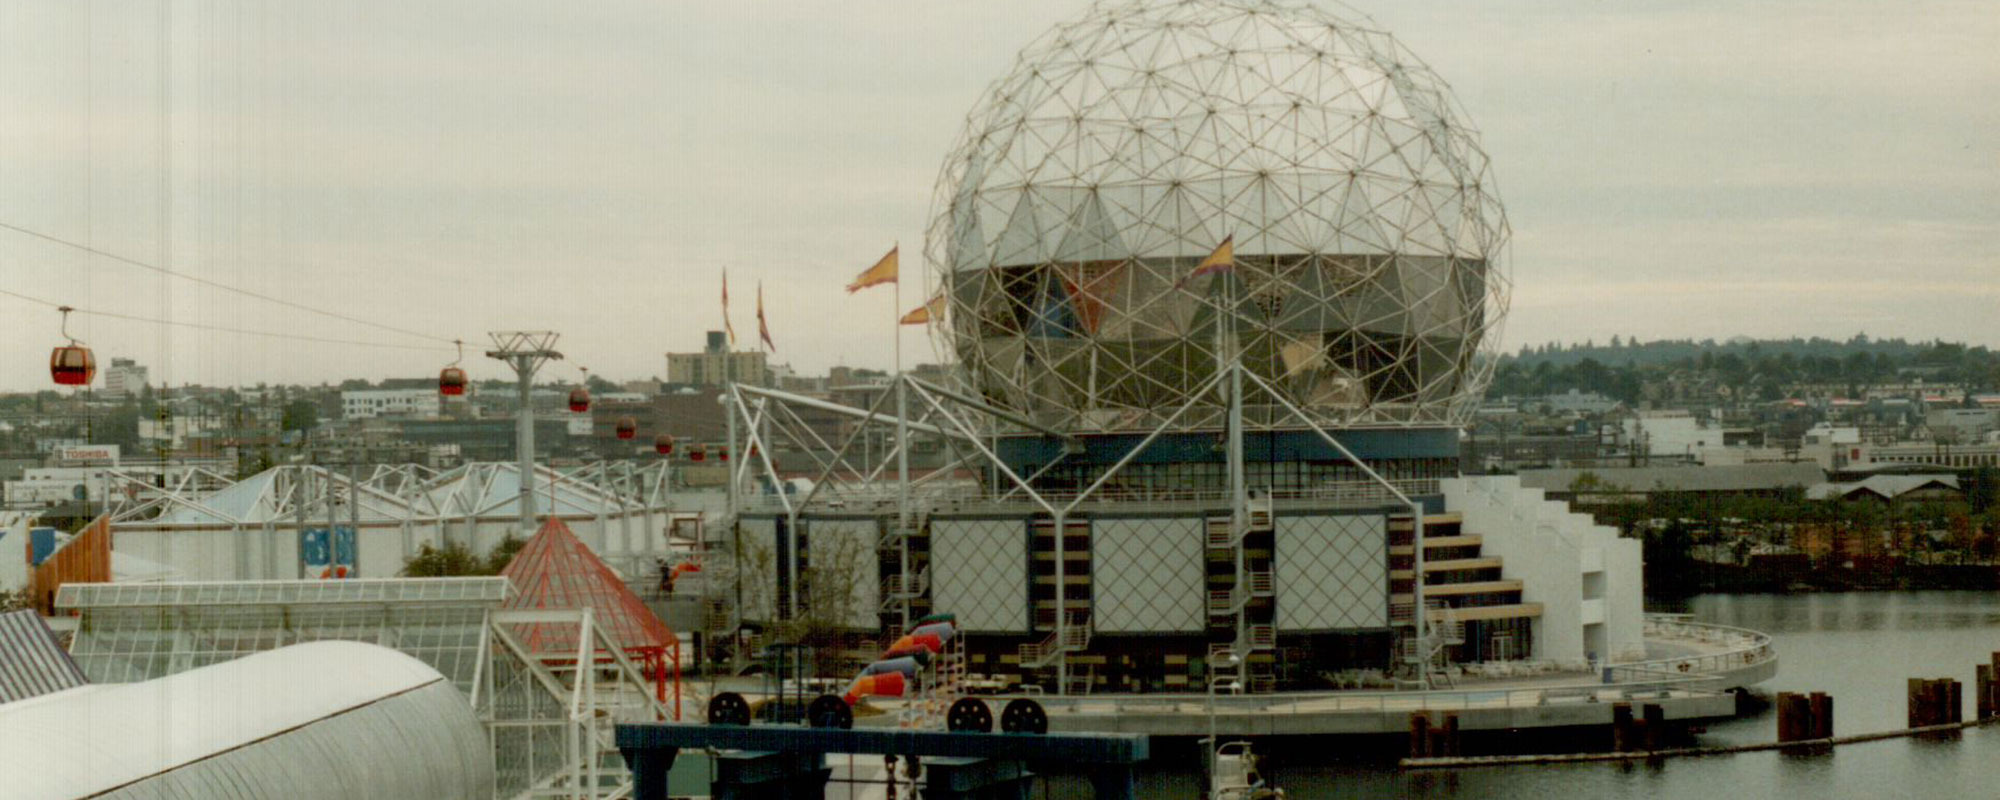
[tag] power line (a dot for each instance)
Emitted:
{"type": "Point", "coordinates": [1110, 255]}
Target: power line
{"type": "Point", "coordinates": [224, 328]}
{"type": "Point", "coordinates": [212, 284]}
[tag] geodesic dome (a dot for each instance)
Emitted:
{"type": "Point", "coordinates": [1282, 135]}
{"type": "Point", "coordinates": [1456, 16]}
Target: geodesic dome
{"type": "Point", "coordinates": [1124, 147]}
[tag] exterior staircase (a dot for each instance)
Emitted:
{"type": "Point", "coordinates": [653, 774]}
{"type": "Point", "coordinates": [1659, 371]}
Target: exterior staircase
{"type": "Point", "coordinates": [1074, 638]}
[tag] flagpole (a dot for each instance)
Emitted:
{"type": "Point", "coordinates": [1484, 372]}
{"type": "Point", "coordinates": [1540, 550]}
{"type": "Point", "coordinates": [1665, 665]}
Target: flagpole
{"type": "Point", "coordinates": [902, 412]}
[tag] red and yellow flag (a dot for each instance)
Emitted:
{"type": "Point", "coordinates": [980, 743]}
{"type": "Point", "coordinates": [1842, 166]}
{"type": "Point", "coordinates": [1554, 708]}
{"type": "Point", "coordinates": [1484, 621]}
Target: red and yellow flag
{"type": "Point", "coordinates": [1222, 260]}
{"type": "Point", "coordinates": [884, 271]}
{"type": "Point", "coordinates": [926, 313]}
{"type": "Point", "coordinates": [763, 329]}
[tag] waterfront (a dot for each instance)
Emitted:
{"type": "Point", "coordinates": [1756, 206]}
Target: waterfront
{"type": "Point", "coordinates": [1859, 646]}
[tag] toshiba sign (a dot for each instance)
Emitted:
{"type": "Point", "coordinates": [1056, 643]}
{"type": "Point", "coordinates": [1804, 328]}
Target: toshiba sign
{"type": "Point", "coordinates": [95, 452]}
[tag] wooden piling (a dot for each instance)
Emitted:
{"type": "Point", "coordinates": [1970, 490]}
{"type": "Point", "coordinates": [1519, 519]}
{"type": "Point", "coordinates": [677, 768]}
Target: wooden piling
{"type": "Point", "coordinates": [1919, 689]}
{"type": "Point", "coordinates": [1452, 746]}
{"type": "Point", "coordinates": [1954, 702]}
{"type": "Point", "coordinates": [1621, 727]}
{"type": "Point", "coordinates": [1656, 725]}
{"type": "Point", "coordinates": [1420, 734]}
{"type": "Point", "coordinates": [1821, 705]}
{"type": "Point", "coordinates": [1791, 727]}
{"type": "Point", "coordinates": [1982, 692]}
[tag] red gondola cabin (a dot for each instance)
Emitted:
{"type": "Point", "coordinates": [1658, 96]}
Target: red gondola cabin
{"type": "Point", "coordinates": [72, 365]}
{"type": "Point", "coordinates": [451, 382]}
{"type": "Point", "coordinates": [627, 427]}
{"type": "Point", "coordinates": [579, 400]}
{"type": "Point", "coordinates": [663, 444]}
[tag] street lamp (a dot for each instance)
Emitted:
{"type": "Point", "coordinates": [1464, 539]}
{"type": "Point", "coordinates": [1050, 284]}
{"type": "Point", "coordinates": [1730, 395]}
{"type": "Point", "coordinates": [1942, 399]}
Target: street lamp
{"type": "Point", "coordinates": [1224, 659]}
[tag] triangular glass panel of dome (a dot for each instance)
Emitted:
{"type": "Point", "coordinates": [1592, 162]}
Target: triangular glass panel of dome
{"type": "Point", "coordinates": [1354, 222]}
{"type": "Point", "coordinates": [1026, 238]}
{"type": "Point", "coordinates": [968, 237]}
{"type": "Point", "coordinates": [1185, 223]}
{"type": "Point", "coordinates": [1217, 292]}
{"type": "Point", "coordinates": [1090, 235]}
{"type": "Point", "coordinates": [968, 241]}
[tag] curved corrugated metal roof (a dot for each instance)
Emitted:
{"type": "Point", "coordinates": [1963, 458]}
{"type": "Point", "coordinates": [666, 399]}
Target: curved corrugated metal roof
{"type": "Point", "coordinates": [321, 719]}
{"type": "Point", "coordinates": [31, 662]}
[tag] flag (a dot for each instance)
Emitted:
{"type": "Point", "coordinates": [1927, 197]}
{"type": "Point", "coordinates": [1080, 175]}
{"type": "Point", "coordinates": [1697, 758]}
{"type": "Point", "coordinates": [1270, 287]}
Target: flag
{"type": "Point", "coordinates": [725, 309]}
{"type": "Point", "coordinates": [1222, 260]}
{"type": "Point", "coordinates": [926, 313]}
{"type": "Point", "coordinates": [763, 330]}
{"type": "Point", "coordinates": [884, 271]}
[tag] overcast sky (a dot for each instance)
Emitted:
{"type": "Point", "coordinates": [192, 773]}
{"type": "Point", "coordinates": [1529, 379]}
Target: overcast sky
{"type": "Point", "coordinates": [1693, 169]}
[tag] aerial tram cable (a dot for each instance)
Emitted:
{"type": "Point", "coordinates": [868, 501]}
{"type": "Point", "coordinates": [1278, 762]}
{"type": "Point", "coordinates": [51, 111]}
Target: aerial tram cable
{"type": "Point", "coordinates": [219, 328]}
{"type": "Point", "coordinates": [218, 285]}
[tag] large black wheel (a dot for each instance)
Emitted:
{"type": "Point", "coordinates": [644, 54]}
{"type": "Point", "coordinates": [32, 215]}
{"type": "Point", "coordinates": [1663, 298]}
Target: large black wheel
{"type": "Point", "coordinates": [969, 714]}
{"type": "Point", "coordinates": [1024, 716]}
{"type": "Point", "coordinates": [829, 711]}
{"type": "Point", "coordinates": [728, 708]}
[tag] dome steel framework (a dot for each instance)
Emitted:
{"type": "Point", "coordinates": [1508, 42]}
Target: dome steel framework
{"type": "Point", "coordinates": [1369, 280]}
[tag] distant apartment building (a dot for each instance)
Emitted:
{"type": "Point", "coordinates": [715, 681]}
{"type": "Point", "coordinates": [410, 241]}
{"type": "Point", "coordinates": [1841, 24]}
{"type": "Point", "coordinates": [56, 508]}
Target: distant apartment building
{"type": "Point", "coordinates": [1574, 402]}
{"type": "Point", "coordinates": [1671, 434]}
{"type": "Point", "coordinates": [1967, 456]}
{"type": "Point", "coordinates": [372, 403]}
{"type": "Point", "coordinates": [124, 378]}
{"type": "Point", "coordinates": [716, 365]}
{"type": "Point", "coordinates": [1960, 425]}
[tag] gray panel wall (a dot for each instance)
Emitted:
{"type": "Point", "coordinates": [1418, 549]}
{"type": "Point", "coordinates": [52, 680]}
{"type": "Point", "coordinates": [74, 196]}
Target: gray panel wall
{"type": "Point", "coordinates": [842, 553]}
{"type": "Point", "coordinates": [1148, 575]}
{"type": "Point", "coordinates": [979, 571]}
{"type": "Point", "coordinates": [1332, 572]}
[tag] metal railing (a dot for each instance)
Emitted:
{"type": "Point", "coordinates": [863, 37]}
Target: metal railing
{"type": "Point", "coordinates": [882, 496]}
{"type": "Point", "coordinates": [1367, 701]}
{"type": "Point", "coordinates": [1740, 648]}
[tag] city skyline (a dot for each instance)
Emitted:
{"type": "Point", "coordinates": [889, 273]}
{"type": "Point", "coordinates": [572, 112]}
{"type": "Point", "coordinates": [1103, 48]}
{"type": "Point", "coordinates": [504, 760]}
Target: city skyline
{"type": "Point", "coordinates": [1699, 172]}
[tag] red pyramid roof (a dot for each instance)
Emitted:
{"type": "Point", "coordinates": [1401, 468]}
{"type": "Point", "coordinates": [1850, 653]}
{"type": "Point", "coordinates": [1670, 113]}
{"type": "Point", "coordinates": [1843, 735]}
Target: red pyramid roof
{"type": "Point", "coordinates": [555, 570]}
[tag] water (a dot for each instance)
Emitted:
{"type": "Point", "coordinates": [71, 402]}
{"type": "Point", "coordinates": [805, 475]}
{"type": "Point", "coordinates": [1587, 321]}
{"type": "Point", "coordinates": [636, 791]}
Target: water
{"type": "Point", "coordinates": [1858, 647]}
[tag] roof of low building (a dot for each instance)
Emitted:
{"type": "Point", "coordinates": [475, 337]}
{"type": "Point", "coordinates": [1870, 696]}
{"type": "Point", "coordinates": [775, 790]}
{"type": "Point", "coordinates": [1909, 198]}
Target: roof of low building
{"type": "Point", "coordinates": [32, 663]}
{"type": "Point", "coordinates": [1726, 478]}
{"type": "Point", "coordinates": [1888, 487]}
{"type": "Point", "coordinates": [238, 720]}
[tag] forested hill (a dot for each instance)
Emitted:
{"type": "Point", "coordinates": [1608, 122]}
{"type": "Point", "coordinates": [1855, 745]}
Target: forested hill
{"type": "Point", "coordinates": [1768, 366]}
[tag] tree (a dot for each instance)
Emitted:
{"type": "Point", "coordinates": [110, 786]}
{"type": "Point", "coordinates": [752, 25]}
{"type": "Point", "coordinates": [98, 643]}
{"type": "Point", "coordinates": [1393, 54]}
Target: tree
{"type": "Point", "coordinates": [834, 597]}
{"type": "Point", "coordinates": [299, 415]}
{"type": "Point", "coordinates": [503, 554]}
{"type": "Point", "coordinates": [1985, 489]}
{"type": "Point", "coordinates": [442, 562]}
{"type": "Point", "coordinates": [455, 559]}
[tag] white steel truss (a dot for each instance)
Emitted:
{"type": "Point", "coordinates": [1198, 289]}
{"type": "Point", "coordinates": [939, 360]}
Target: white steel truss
{"type": "Point", "coordinates": [969, 425]}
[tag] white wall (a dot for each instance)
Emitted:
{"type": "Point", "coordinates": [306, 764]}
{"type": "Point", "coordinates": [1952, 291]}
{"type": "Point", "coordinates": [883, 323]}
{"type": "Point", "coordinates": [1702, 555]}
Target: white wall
{"type": "Point", "coordinates": [1536, 546]}
{"type": "Point", "coordinates": [1555, 553]}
